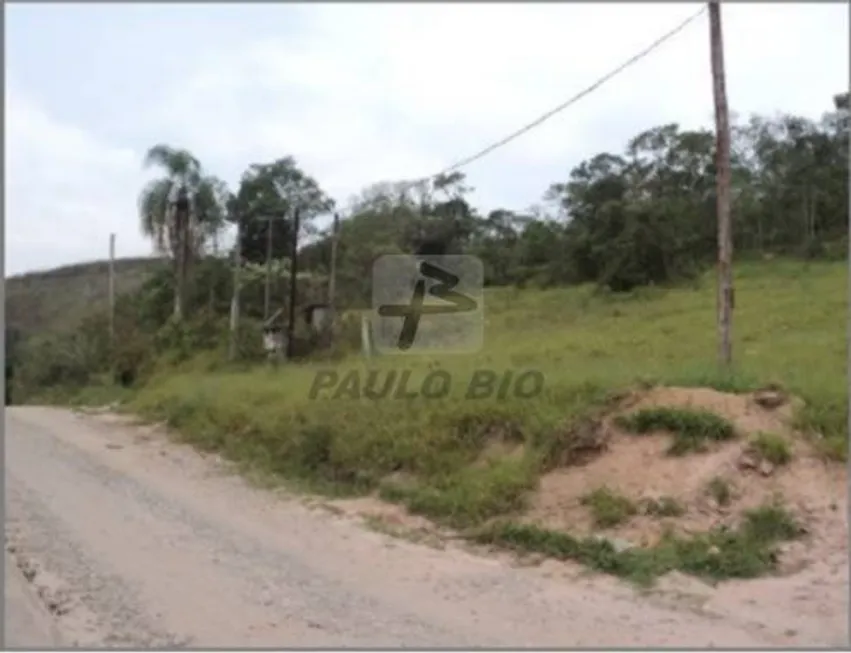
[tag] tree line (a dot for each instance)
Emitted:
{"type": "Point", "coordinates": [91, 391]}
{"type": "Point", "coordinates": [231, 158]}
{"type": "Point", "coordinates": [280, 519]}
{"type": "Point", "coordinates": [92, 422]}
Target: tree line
{"type": "Point", "coordinates": [645, 215]}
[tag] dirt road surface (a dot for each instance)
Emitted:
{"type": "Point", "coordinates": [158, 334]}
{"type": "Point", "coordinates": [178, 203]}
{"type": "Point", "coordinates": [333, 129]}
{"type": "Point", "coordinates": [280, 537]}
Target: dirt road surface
{"type": "Point", "coordinates": [134, 541]}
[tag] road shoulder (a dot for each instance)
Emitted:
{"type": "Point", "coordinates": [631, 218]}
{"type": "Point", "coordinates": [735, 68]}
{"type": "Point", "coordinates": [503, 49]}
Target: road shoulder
{"type": "Point", "coordinates": [27, 623]}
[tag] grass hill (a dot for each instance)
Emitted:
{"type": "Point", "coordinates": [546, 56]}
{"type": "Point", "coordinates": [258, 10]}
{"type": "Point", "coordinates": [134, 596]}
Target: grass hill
{"type": "Point", "coordinates": [55, 300]}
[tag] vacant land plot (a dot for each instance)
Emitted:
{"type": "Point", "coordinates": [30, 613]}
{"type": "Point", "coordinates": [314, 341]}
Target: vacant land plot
{"type": "Point", "coordinates": [471, 464]}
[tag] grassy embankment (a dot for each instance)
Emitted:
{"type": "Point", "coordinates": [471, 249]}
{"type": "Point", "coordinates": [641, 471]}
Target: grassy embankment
{"type": "Point", "coordinates": [790, 324]}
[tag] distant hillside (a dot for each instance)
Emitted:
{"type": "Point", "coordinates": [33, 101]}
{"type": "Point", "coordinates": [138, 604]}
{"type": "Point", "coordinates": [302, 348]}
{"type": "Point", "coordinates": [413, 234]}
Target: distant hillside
{"type": "Point", "coordinates": [56, 299]}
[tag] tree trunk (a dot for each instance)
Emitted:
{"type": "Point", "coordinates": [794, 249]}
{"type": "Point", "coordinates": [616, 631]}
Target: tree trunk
{"type": "Point", "coordinates": [267, 300]}
{"type": "Point", "coordinates": [187, 262]}
{"type": "Point", "coordinates": [178, 284]}
{"type": "Point", "coordinates": [293, 287]}
{"type": "Point", "coordinates": [234, 302]}
{"type": "Point", "coordinates": [813, 214]}
{"type": "Point", "coordinates": [181, 264]}
{"type": "Point", "coordinates": [332, 277]}
{"type": "Point", "coordinates": [211, 305]}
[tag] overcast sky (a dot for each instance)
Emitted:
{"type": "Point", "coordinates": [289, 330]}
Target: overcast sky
{"type": "Point", "coordinates": [361, 93]}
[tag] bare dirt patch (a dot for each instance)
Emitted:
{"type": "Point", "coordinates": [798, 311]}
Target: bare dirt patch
{"type": "Point", "coordinates": [676, 494]}
{"type": "Point", "coordinates": [637, 467]}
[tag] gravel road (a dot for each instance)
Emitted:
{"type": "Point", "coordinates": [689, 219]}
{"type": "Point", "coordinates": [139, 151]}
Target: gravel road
{"type": "Point", "coordinates": [133, 541]}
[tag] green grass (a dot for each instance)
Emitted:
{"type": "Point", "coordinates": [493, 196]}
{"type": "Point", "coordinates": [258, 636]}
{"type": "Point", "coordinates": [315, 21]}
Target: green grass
{"type": "Point", "coordinates": [771, 447]}
{"type": "Point", "coordinates": [745, 552]}
{"type": "Point", "coordinates": [471, 495]}
{"type": "Point", "coordinates": [789, 328]}
{"type": "Point", "coordinates": [692, 429]}
{"type": "Point", "coordinates": [607, 507]}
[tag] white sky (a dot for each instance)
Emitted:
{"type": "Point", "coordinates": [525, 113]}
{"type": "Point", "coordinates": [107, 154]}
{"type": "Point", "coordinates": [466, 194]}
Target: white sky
{"type": "Point", "coordinates": [361, 93]}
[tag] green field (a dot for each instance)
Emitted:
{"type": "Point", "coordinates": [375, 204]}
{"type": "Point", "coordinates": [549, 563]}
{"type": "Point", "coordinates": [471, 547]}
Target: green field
{"type": "Point", "coordinates": [789, 328]}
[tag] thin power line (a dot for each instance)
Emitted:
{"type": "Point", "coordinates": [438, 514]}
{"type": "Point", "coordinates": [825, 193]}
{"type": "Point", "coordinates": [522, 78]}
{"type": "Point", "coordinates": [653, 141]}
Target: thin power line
{"type": "Point", "coordinates": [575, 98]}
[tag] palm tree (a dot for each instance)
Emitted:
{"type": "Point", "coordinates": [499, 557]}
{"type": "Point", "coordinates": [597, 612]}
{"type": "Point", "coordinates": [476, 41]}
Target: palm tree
{"type": "Point", "coordinates": [181, 212]}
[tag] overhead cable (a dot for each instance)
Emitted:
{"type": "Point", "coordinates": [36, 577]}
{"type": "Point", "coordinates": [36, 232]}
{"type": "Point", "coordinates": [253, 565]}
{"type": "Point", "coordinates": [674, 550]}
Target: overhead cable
{"type": "Point", "coordinates": [561, 107]}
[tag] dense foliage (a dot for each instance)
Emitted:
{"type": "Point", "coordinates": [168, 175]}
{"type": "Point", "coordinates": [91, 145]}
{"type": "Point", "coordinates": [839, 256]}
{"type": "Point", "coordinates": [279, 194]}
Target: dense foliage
{"type": "Point", "coordinates": [643, 216]}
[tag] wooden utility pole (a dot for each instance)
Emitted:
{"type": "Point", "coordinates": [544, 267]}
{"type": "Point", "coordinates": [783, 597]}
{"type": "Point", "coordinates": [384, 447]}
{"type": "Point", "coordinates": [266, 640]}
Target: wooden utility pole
{"type": "Point", "coordinates": [234, 301]}
{"type": "Point", "coordinates": [293, 286]}
{"type": "Point", "coordinates": [268, 298]}
{"type": "Point", "coordinates": [332, 280]}
{"type": "Point", "coordinates": [111, 291]}
{"type": "Point", "coordinates": [725, 298]}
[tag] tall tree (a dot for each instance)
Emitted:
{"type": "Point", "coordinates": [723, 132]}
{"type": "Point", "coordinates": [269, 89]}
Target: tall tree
{"type": "Point", "coordinates": [267, 195]}
{"type": "Point", "coordinates": [182, 211]}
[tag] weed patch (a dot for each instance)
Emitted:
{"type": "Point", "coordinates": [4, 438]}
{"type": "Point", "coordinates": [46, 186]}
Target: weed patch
{"type": "Point", "coordinates": [471, 495]}
{"type": "Point", "coordinates": [745, 552]}
{"type": "Point", "coordinates": [826, 418]}
{"type": "Point", "coordinates": [771, 447]}
{"type": "Point", "coordinates": [692, 429]}
{"type": "Point", "coordinates": [608, 508]}
{"type": "Point", "coordinates": [769, 523]}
